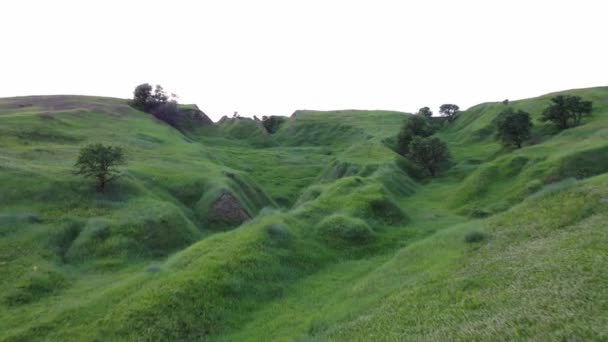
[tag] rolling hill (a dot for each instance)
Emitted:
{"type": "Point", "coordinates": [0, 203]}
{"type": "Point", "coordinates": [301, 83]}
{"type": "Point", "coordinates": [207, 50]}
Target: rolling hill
{"type": "Point", "coordinates": [341, 242]}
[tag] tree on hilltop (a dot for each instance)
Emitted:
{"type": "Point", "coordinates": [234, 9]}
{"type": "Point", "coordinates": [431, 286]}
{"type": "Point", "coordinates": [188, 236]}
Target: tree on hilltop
{"type": "Point", "coordinates": [425, 112]}
{"type": "Point", "coordinates": [141, 97]}
{"type": "Point", "coordinates": [147, 101]}
{"type": "Point", "coordinates": [449, 110]}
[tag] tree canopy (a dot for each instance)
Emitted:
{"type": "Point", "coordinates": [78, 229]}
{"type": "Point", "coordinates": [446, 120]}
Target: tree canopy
{"type": "Point", "coordinates": [415, 125]}
{"type": "Point", "coordinates": [514, 127]}
{"type": "Point", "coordinates": [567, 111]}
{"type": "Point", "coordinates": [141, 97]}
{"type": "Point", "coordinates": [147, 101]}
{"type": "Point", "coordinates": [99, 162]}
{"type": "Point", "coordinates": [429, 153]}
{"type": "Point", "coordinates": [449, 110]}
{"type": "Point", "coordinates": [425, 112]}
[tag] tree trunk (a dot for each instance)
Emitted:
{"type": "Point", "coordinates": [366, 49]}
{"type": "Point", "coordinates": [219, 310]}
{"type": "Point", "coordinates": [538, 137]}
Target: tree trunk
{"type": "Point", "coordinates": [101, 184]}
{"type": "Point", "coordinates": [564, 123]}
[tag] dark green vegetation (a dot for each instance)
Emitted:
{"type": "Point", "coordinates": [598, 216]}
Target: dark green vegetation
{"type": "Point", "coordinates": [514, 127]}
{"type": "Point", "coordinates": [100, 163]}
{"type": "Point", "coordinates": [449, 110]}
{"type": "Point", "coordinates": [567, 111]}
{"type": "Point", "coordinates": [429, 153]}
{"type": "Point", "coordinates": [414, 126]}
{"type": "Point", "coordinates": [414, 142]}
{"type": "Point", "coordinates": [341, 240]}
{"type": "Point", "coordinates": [425, 112]}
{"type": "Point", "coordinates": [187, 119]}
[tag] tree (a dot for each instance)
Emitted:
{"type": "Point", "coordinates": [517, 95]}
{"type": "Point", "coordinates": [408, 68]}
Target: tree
{"type": "Point", "coordinates": [99, 162]}
{"type": "Point", "coordinates": [514, 127]}
{"type": "Point", "coordinates": [146, 101]}
{"type": "Point", "coordinates": [567, 111]}
{"type": "Point", "coordinates": [429, 153]}
{"type": "Point", "coordinates": [160, 97]}
{"type": "Point", "coordinates": [425, 112]}
{"type": "Point", "coordinates": [415, 125]}
{"type": "Point", "coordinates": [142, 96]}
{"type": "Point", "coordinates": [449, 110]}
{"type": "Point", "coordinates": [578, 108]}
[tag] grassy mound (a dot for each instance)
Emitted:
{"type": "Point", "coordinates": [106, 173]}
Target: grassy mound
{"type": "Point", "coordinates": [247, 130]}
{"type": "Point", "coordinates": [358, 197]}
{"type": "Point", "coordinates": [337, 128]}
{"type": "Point", "coordinates": [133, 231]}
{"type": "Point", "coordinates": [458, 289]}
{"type": "Point", "coordinates": [342, 230]}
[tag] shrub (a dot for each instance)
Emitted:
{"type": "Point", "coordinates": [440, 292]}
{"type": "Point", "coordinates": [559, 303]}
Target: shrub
{"type": "Point", "coordinates": [474, 237]}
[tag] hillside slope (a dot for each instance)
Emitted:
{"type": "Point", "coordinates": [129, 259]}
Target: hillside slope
{"type": "Point", "coordinates": [342, 244]}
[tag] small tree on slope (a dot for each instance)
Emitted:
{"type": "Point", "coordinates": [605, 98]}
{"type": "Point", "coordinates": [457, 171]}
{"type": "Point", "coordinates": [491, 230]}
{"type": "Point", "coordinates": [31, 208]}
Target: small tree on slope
{"type": "Point", "coordinates": [567, 111]}
{"type": "Point", "coordinates": [99, 162]}
{"type": "Point", "coordinates": [415, 125]}
{"type": "Point", "coordinates": [429, 152]}
{"type": "Point", "coordinates": [514, 127]}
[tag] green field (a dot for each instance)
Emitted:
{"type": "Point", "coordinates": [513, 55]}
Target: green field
{"type": "Point", "coordinates": [345, 242]}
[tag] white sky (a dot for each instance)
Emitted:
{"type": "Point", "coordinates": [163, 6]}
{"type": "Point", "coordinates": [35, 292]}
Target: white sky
{"type": "Point", "coordinates": [272, 57]}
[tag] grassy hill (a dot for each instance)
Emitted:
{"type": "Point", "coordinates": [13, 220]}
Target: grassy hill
{"type": "Point", "coordinates": [343, 244]}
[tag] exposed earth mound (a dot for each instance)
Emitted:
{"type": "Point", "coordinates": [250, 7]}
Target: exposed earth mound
{"type": "Point", "coordinates": [227, 209]}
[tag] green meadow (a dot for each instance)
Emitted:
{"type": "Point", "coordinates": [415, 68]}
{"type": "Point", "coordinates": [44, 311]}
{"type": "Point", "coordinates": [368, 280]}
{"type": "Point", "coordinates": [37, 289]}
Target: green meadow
{"type": "Point", "coordinates": [345, 242]}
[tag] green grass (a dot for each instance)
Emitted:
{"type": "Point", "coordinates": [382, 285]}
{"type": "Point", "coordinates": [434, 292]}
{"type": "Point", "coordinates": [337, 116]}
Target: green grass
{"type": "Point", "coordinates": [347, 242]}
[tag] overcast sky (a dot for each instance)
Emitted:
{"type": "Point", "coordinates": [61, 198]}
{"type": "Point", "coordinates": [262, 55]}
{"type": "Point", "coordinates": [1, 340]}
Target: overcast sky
{"type": "Point", "coordinates": [272, 57]}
